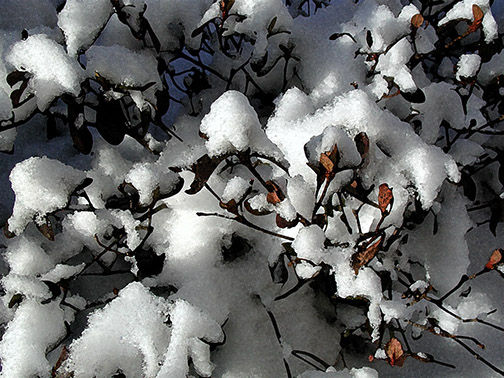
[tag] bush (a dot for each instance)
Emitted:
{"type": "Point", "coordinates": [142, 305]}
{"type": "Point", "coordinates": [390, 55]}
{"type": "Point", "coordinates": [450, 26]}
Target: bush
{"type": "Point", "coordinates": [255, 188]}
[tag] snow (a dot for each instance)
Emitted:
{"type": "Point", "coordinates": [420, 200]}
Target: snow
{"type": "Point", "coordinates": [190, 324]}
{"type": "Point", "coordinates": [81, 22]}
{"type": "Point", "coordinates": [463, 10]}
{"type": "Point", "coordinates": [468, 66]}
{"type": "Point", "coordinates": [34, 329]}
{"type": "Point", "coordinates": [393, 64]}
{"type": "Point", "coordinates": [309, 244]}
{"type": "Point", "coordinates": [122, 66]}
{"type": "Point", "coordinates": [235, 189]}
{"type": "Point", "coordinates": [26, 257]}
{"type": "Point", "coordinates": [54, 72]}
{"type": "Point", "coordinates": [50, 184]}
{"type": "Point", "coordinates": [113, 338]}
{"type": "Point", "coordinates": [233, 125]}
{"type": "Point", "coordinates": [245, 294]}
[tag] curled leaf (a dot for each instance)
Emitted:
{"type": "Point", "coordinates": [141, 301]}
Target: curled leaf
{"type": "Point", "coordinates": [416, 97]}
{"type": "Point", "coordinates": [495, 259]}
{"type": "Point", "coordinates": [16, 76]}
{"type": "Point", "coordinates": [203, 169]}
{"type": "Point", "coordinates": [369, 38]}
{"type": "Point", "coordinates": [478, 18]}
{"type": "Point", "coordinates": [46, 230]}
{"type": "Point", "coordinates": [225, 6]}
{"type": "Point", "coordinates": [330, 159]}
{"type": "Point", "coordinates": [230, 206]}
{"type": "Point", "coordinates": [395, 353]}
{"type": "Point", "coordinates": [7, 233]}
{"type": "Point", "coordinates": [417, 21]}
{"type": "Point", "coordinates": [275, 194]}
{"type": "Point", "coordinates": [364, 256]}
{"type": "Point", "coordinates": [326, 162]}
{"type": "Point", "coordinates": [253, 211]}
{"type": "Point", "coordinates": [284, 223]}
{"type": "Point", "coordinates": [16, 299]}
{"type": "Point", "coordinates": [385, 198]}
{"type": "Point", "coordinates": [362, 143]}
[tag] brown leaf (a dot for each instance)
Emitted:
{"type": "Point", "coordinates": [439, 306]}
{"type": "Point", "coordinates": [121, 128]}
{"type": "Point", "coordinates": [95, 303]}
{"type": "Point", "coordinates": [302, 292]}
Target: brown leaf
{"type": "Point", "coordinates": [16, 76]}
{"type": "Point", "coordinates": [7, 233]}
{"type": "Point", "coordinates": [363, 257]}
{"type": "Point", "coordinates": [203, 169]}
{"type": "Point", "coordinates": [284, 223]}
{"type": "Point", "coordinates": [275, 194]}
{"type": "Point", "coordinates": [230, 206]}
{"type": "Point", "coordinates": [225, 6]}
{"type": "Point", "coordinates": [326, 163]}
{"type": "Point", "coordinates": [395, 353]}
{"type": "Point", "coordinates": [385, 198]}
{"type": "Point", "coordinates": [477, 13]}
{"type": "Point", "coordinates": [495, 259]}
{"type": "Point", "coordinates": [362, 143]}
{"type": "Point", "coordinates": [62, 358]}
{"type": "Point", "coordinates": [253, 211]}
{"type": "Point", "coordinates": [46, 230]}
{"type": "Point", "coordinates": [417, 20]}
{"type": "Point", "coordinates": [478, 18]}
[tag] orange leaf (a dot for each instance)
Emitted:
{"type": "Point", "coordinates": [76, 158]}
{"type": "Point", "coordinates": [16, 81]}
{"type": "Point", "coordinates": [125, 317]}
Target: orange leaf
{"type": "Point", "coordinates": [478, 18]}
{"type": "Point", "coordinates": [361, 258]}
{"type": "Point", "coordinates": [275, 194]}
{"type": "Point", "coordinates": [477, 13]}
{"type": "Point", "coordinates": [395, 353]}
{"type": "Point", "coordinates": [385, 197]}
{"type": "Point", "coordinates": [326, 162]}
{"type": "Point", "coordinates": [495, 259]}
{"type": "Point", "coordinates": [225, 6]}
{"type": "Point", "coordinates": [329, 159]}
{"type": "Point", "coordinates": [417, 20]}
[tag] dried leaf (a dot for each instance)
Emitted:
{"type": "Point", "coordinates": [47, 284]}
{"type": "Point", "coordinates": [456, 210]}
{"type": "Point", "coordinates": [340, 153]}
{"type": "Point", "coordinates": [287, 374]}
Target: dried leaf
{"type": "Point", "coordinates": [253, 211]}
{"type": "Point", "coordinates": [16, 76]}
{"type": "Point", "coordinates": [417, 20]}
{"type": "Point", "coordinates": [394, 352]}
{"type": "Point", "coordinates": [326, 163]}
{"type": "Point", "coordinates": [278, 270]}
{"type": "Point", "coordinates": [363, 257]}
{"type": "Point", "coordinates": [275, 195]}
{"type": "Point", "coordinates": [16, 299]}
{"type": "Point", "coordinates": [203, 169]}
{"type": "Point", "coordinates": [46, 230]}
{"type": "Point", "coordinates": [230, 206]}
{"type": "Point", "coordinates": [62, 358]}
{"type": "Point", "coordinates": [225, 6]}
{"type": "Point", "coordinates": [272, 24]}
{"type": "Point", "coordinates": [8, 234]}
{"type": "Point", "coordinates": [478, 18]}
{"type": "Point", "coordinates": [416, 97]}
{"type": "Point", "coordinates": [369, 38]}
{"type": "Point", "coordinates": [362, 143]}
{"type": "Point", "coordinates": [469, 186]}
{"type": "Point", "coordinates": [385, 198]}
{"type": "Point", "coordinates": [284, 223]}
{"type": "Point", "coordinates": [330, 159]}
{"type": "Point", "coordinates": [495, 259]}
{"type": "Point", "coordinates": [111, 121]}
{"type": "Point", "coordinates": [477, 13]}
